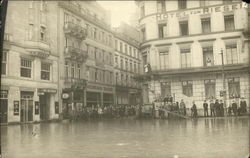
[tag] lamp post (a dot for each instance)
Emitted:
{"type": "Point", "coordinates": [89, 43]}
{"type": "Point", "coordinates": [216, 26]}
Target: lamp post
{"type": "Point", "coordinates": [223, 80]}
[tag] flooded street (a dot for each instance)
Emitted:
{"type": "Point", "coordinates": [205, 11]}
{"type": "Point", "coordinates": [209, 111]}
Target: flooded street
{"type": "Point", "coordinates": [207, 138]}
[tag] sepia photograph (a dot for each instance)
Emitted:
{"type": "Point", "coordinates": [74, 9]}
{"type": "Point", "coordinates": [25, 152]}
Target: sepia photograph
{"type": "Point", "coordinates": [125, 79]}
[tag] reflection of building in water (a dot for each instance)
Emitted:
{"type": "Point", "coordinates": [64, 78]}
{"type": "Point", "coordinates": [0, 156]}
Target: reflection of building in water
{"type": "Point", "coordinates": [183, 41]}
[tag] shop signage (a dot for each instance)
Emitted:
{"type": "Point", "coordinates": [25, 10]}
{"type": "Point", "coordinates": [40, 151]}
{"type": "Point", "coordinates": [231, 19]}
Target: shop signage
{"type": "Point", "coordinates": [16, 107]}
{"type": "Point", "coordinates": [46, 90]}
{"type": "Point", "coordinates": [37, 107]}
{"type": "Point", "coordinates": [65, 95]}
{"type": "Point", "coordinates": [203, 10]}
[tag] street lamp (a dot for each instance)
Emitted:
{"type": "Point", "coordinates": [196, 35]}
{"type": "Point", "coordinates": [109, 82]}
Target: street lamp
{"type": "Point", "coordinates": [223, 80]}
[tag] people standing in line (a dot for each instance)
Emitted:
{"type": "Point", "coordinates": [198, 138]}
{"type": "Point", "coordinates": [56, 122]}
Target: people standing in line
{"type": "Point", "coordinates": [217, 108]}
{"type": "Point", "coordinates": [212, 111]}
{"type": "Point", "coordinates": [243, 106]}
{"type": "Point", "coordinates": [194, 110]}
{"type": "Point", "coordinates": [221, 105]}
{"type": "Point", "coordinates": [205, 107]}
{"type": "Point", "coordinates": [234, 107]}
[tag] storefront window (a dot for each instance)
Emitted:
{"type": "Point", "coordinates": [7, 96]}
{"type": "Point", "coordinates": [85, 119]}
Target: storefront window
{"type": "Point", "coordinates": [165, 89]}
{"type": "Point", "coordinates": [210, 89]}
{"type": "Point", "coordinates": [234, 88]}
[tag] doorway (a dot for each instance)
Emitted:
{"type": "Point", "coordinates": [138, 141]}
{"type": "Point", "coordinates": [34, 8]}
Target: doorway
{"type": "Point", "coordinates": [44, 106]}
{"type": "Point", "coordinates": [26, 107]}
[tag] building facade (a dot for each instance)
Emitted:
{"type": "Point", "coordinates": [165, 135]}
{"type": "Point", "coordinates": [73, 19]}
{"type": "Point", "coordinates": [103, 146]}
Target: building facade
{"type": "Point", "coordinates": [197, 50]}
{"type": "Point", "coordinates": [29, 83]}
{"type": "Point", "coordinates": [127, 63]}
{"type": "Point", "coordinates": [86, 80]}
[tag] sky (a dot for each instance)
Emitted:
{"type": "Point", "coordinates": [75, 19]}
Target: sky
{"type": "Point", "coordinates": [120, 10]}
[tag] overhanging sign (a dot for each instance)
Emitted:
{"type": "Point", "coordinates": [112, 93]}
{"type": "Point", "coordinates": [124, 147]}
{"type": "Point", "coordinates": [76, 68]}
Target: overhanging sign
{"type": "Point", "coordinates": [203, 10]}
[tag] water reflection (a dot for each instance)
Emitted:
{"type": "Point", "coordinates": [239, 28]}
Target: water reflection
{"type": "Point", "coordinates": [208, 137]}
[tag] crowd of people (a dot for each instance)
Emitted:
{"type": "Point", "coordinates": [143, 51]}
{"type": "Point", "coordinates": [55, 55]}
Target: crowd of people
{"type": "Point", "coordinates": [101, 112]}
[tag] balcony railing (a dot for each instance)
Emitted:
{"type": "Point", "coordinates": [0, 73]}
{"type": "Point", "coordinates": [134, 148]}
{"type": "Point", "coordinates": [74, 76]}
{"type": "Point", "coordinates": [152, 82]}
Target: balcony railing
{"type": "Point", "coordinates": [74, 53]}
{"type": "Point", "coordinates": [75, 30]}
{"type": "Point", "coordinates": [75, 82]}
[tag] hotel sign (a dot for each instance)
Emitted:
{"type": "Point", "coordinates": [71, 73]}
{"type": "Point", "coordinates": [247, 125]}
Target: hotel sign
{"type": "Point", "coordinates": [203, 10]}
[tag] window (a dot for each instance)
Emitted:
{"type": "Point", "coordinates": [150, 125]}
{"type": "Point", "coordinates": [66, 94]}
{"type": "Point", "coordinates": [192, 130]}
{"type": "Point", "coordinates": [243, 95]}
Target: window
{"type": "Point", "coordinates": [110, 40]}
{"type": "Point", "coordinates": [162, 30]}
{"type": "Point", "coordinates": [143, 33]}
{"type": "Point", "coordinates": [111, 77]}
{"type": "Point", "coordinates": [73, 70]}
{"type": "Point", "coordinates": [111, 59]}
{"type": "Point", "coordinates": [103, 37]}
{"type": "Point", "coordinates": [164, 60]}
{"type": "Point", "coordinates": [135, 68]}
{"type": "Point", "coordinates": [208, 58]}
{"type": "Point", "coordinates": [96, 75]}
{"type": "Point", "coordinates": [66, 69]}
{"type": "Point", "coordinates": [131, 66]}
{"type": "Point", "coordinates": [206, 25]}
{"type": "Point", "coordinates": [229, 22]}
{"type": "Point", "coordinates": [117, 78]}
{"type": "Point", "coordinates": [187, 88]}
{"type": "Point", "coordinates": [121, 63]}
{"type": "Point", "coordinates": [135, 53]}
{"type": "Point", "coordinates": [161, 6]}
{"type": "Point", "coordinates": [182, 4]}
{"type": "Point", "coordinates": [116, 44]}
{"type": "Point", "coordinates": [26, 66]}
{"type": "Point", "coordinates": [142, 11]}
{"type": "Point", "coordinates": [183, 28]}
{"type": "Point", "coordinates": [31, 31]}
{"type": "Point", "coordinates": [78, 70]}
{"type": "Point", "coordinates": [204, 3]}
{"type": "Point", "coordinates": [95, 33]}
{"type": "Point", "coordinates": [43, 33]}
{"type": "Point", "coordinates": [126, 64]}
{"type": "Point", "coordinates": [210, 89]}
{"type": "Point", "coordinates": [121, 47]}
{"type": "Point", "coordinates": [231, 54]}
{"type": "Point", "coordinates": [126, 49]}
{"type": "Point", "coordinates": [130, 51]}
{"type": "Point", "coordinates": [126, 80]}
{"type": "Point", "coordinates": [95, 53]}
{"type": "Point", "coordinates": [116, 61]}
{"type": "Point", "coordinates": [165, 89]}
{"type": "Point", "coordinates": [185, 58]}
{"type": "Point", "coordinates": [144, 60]}
{"type": "Point", "coordinates": [104, 78]}
{"type": "Point", "coordinates": [234, 87]}
{"type": "Point", "coordinates": [45, 71]}
{"type": "Point", "coordinates": [4, 63]}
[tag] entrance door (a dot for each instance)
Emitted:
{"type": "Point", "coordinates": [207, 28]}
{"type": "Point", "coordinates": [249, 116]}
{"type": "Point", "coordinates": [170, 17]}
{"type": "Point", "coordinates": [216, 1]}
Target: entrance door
{"type": "Point", "coordinates": [3, 110]}
{"type": "Point", "coordinates": [26, 107]}
{"type": "Point", "coordinates": [44, 106]}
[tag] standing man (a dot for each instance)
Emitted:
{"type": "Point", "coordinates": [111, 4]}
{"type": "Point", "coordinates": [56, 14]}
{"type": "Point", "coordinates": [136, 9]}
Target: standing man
{"type": "Point", "coordinates": [217, 108]}
{"type": "Point", "coordinates": [243, 106]}
{"type": "Point", "coordinates": [234, 107]}
{"type": "Point", "coordinates": [194, 110]}
{"type": "Point", "coordinates": [221, 105]}
{"type": "Point", "coordinates": [212, 113]}
{"type": "Point", "coordinates": [205, 106]}
{"type": "Point", "coordinates": [182, 107]}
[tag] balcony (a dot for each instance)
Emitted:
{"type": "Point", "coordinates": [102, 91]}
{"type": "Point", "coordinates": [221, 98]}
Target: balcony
{"type": "Point", "coordinates": [76, 82]}
{"type": "Point", "coordinates": [75, 30]}
{"type": "Point", "coordinates": [76, 54]}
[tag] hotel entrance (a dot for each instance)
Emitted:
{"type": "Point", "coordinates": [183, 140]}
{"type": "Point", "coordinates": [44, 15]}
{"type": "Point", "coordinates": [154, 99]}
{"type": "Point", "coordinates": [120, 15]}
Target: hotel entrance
{"type": "Point", "coordinates": [3, 106]}
{"type": "Point", "coordinates": [26, 107]}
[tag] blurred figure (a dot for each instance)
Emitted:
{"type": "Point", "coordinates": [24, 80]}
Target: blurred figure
{"type": "Point", "coordinates": [212, 112]}
{"type": "Point", "coordinates": [194, 110]}
{"type": "Point", "coordinates": [217, 107]}
{"type": "Point", "coordinates": [205, 106]}
{"type": "Point", "coordinates": [221, 107]}
{"type": "Point", "coordinates": [234, 107]}
{"type": "Point", "coordinates": [182, 107]}
{"type": "Point", "coordinates": [243, 106]}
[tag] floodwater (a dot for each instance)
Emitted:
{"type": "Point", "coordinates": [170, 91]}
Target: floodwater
{"type": "Point", "coordinates": [194, 138]}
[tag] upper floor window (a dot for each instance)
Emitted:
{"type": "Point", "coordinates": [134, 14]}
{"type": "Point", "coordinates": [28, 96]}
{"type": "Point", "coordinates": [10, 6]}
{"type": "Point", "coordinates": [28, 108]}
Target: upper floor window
{"type": "Point", "coordinates": [116, 44]}
{"type": "Point", "coordinates": [45, 71]}
{"type": "Point", "coordinates": [43, 33]}
{"type": "Point", "coordinates": [143, 32]}
{"type": "Point", "coordinates": [231, 54]}
{"type": "Point", "coordinates": [162, 29]}
{"type": "Point", "coordinates": [206, 25]}
{"type": "Point", "coordinates": [26, 67]}
{"type": "Point", "coordinates": [161, 6]}
{"type": "Point", "coordinates": [185, 58]}
{"type": "Point", "coordinates": [4, 63]}
{"type": "Point", "coordinates": [121, 47]}
{"type": "Point", "coordinates": [31, 32]}
{"type": "Point", "coordinates": [121, 64]}
{"type": "Point", "coordinates": [66, 69]}
{"type": "Point", "coordinates": [208, 58]}
{"type": "Point", "coordinates": [95, 33]}
{"type": "Point", "coordinates": [126, 49]}
{"type": "Point", "coordinates": [78, 70]}
{"type": "Point", "coordinates": [73, 70]}
{"type": "Point", "coordinates": [130, 51]}
{"type": "Point", "coordinates": [142, 11]}
{"type": "Point", "coordinates": [187, 88]}
{"type": "Point", "coordinates": [164, 59]}
{"type": "Point", "coordinates": [182, 4]}
{"type": "Point", "coordinates": [204, 3]}
{"type": "Point", "coordinates": [184, 28]}
{"type": "Point", "coordinates": [131, 66]}
{"type": "Point", "coordinates": [116, 60]}
{"type": "Point", "coordinates": [126, 64]}
{"type": "Point", "coordinates": [229, 22]}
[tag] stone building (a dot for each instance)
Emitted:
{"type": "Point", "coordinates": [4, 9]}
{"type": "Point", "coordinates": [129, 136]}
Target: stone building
{"type": "Point", "coordinates": [29, 83]}
{"type": "Point", "coordinates": [127, 63]}
{"type": "Point", "coordinates": [190, 45]}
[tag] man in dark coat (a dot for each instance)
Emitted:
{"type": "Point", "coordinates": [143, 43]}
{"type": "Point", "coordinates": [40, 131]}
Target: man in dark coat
{"type": "Point", "coordinates": [205, 107]}
{"type": "Point", "coordinates": [194, 110]}
{"type": "Point", "coordinates": [221, 107]}
{"type": "Point", "coordinates": [243, 106]}
{"type": "Point", "coordinates": [212, 111]}
{"type": "Point", "coordinates": [234, 107]}
{"type": "Point", "coordinates": [217, 107]}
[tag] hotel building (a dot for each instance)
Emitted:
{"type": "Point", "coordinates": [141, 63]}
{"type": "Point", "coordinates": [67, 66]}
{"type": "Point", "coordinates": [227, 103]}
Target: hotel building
{"type": "Point", "coordinates": [197, 50]}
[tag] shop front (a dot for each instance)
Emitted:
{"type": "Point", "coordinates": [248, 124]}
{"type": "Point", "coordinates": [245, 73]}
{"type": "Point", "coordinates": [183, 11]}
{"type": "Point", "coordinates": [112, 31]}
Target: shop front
{"type": "Point", "coordinates": [3, 106]}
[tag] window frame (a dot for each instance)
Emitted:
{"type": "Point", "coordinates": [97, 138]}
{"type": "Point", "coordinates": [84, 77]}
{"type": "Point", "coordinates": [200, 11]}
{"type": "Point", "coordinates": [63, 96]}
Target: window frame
{"type": "Point", "coordinates": [4, 62]}
{"type": "Point", "coordinates": [23, 67]}
{"type": "Point", "coordinates": [46, 71]}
